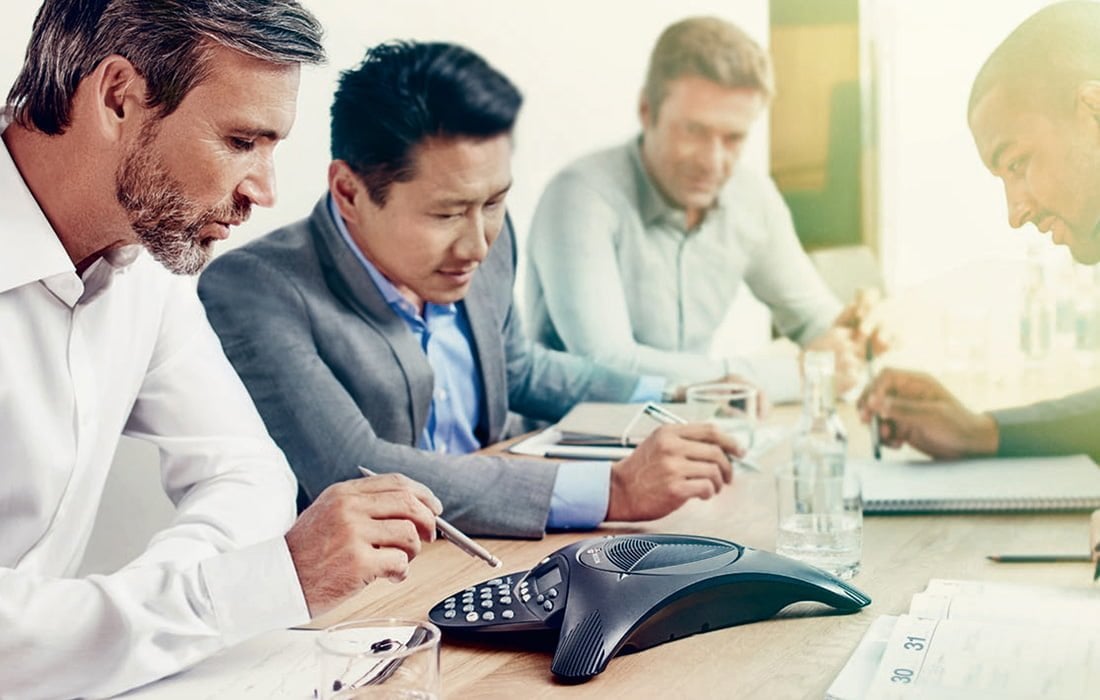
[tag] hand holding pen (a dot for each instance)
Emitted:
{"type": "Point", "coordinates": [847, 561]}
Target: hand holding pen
{"type": "Point", "coordinates": [663, 415]}
{"type": "Point", "coordinates": [357, 531]}
{"type": "Point", "coordinates": [455, 536]}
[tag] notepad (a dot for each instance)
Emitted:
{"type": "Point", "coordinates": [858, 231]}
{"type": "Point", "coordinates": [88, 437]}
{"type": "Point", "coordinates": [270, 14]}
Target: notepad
{"type": "Point", "coordinates": [977, 640]}
{"type": "Point", "coordinates": [981, 485]}
{"type": "Point", "coordinates": [596, 431]}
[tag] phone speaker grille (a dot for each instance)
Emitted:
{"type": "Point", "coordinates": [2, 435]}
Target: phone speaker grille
{"type": "Point", "coordinates": [580, 654]}
{"type": "Point", "coordinates": [629, 551]}
{"type": "Point", "coordinates": [676, 554]}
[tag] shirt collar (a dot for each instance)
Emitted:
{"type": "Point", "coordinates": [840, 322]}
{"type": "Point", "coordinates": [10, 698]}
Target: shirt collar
{"type": "Point", "coordinates": [26, 231]}
{"type": "Point", "coordinates": [389, 292]}
{"type": "Point", "coordinates": [653, 205]}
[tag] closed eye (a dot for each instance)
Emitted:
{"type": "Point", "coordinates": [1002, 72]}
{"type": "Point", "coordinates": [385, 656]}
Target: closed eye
{"type": "Point", "coordinates": [239, 144]}
{"type": "Point", "coordinates": [1017, 166]}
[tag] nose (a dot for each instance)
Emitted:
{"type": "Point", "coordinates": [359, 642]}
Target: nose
{"type": "Point", "coordinates": [477, 233]}
{"type": "Point", "coordinates": [717, 157]}
{"type": "Point", "coordinates": [259, 184]}
{"type": "Point", "coordinates": [1020, 207]}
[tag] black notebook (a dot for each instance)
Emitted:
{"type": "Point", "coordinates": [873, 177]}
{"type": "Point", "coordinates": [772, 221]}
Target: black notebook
{"type": "Point", "coordinates": [974, 485]}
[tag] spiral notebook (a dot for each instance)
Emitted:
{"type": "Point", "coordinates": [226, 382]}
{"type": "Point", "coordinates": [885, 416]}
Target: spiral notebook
{"type": "Point", "coordinates": [981, 485]}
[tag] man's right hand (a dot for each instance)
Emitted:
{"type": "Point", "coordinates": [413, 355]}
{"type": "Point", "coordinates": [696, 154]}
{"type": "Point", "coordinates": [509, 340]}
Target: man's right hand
{"type": "Point", "coordinates": [914, 408]}
{"type": "Point", "coordinates": [358, 531]}
{"type": "Point", "coordinates": [674, 464]}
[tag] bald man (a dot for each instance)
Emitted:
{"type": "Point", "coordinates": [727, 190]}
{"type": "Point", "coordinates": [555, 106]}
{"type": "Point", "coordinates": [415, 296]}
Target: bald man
{"type": "Point", "coordinates": [1034, 113]}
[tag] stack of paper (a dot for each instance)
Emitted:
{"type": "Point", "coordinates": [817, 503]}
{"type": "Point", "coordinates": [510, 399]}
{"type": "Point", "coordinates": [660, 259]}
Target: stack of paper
{"type": "Point", "coordinates": [968, 639]}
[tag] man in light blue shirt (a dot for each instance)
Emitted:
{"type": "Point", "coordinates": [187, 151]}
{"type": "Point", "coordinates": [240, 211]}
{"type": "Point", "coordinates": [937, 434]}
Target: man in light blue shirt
{"type": "Point", "coordinates": [665, 228]}
{"type": "Point", "coordinates": [381, 330]}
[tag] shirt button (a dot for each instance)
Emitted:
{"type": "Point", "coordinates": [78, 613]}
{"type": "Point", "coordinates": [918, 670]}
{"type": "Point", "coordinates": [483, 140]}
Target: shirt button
{"type": "Point", "coordinates": [441, 394]}
{"type": "Point", "coordinates": [441, 449]}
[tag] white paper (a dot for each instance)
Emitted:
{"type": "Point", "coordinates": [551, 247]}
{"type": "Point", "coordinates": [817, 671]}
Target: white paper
{"type": "Point", "coordinates": [280, 665]}
{"type": "Point", "coordinates": [277, 665]}
{"type": "Point", "coordinates": [974, 639]}
{"type": "Point", "coordinates": [975, 660]}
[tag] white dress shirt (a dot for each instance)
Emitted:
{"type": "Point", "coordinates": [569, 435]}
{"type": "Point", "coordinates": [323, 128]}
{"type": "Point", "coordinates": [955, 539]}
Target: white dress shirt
{"type": "Point", "coordinates": [125, 349]}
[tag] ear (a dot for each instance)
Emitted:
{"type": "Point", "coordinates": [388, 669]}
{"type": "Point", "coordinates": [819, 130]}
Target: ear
{"type": "Point", "coordinates": [346, 189]}
{"type": "Point", "coordinates": [643, 110]}
{"type": "Point", "coordinates": [116, 96]}
{"type": "Point", "coordinates": [1088, 93]}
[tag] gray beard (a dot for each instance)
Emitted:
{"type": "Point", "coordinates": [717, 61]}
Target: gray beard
{"type": "Point", "coordinates": [166, 223]}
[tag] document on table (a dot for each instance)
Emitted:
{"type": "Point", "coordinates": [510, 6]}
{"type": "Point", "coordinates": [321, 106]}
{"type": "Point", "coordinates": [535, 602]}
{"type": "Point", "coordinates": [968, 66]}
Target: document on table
{"type": "Point", "coordinates": [279, 665]}
{"type": "Point", "coordinates": [979, 640]}
{"type": "Point", "coordinates": [595, 431]}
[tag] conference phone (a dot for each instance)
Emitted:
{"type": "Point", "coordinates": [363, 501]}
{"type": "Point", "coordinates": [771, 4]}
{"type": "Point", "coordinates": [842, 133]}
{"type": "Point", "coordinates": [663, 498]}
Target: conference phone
{"type": "Point", "coordinates": [624, 593]}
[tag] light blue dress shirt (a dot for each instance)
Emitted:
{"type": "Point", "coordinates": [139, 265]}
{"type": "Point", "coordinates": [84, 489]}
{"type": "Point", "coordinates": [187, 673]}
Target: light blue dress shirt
{"type": "Point", "coordinates": [580, 495]}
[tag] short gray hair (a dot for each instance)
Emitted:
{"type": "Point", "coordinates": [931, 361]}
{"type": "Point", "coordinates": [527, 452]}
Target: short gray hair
{"type": "Point", "coordinates": [167, 41]}
{"type": "Point", "coordinates": [709, 48]}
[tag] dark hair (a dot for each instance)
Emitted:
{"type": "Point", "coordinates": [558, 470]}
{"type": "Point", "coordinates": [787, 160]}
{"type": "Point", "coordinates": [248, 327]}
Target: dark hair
{"type": "Point", "coordinates": [406, 92]}
{"type": "Point", "coordinates": [167, 41]}
{"type": "Point", "coordinates": [1046, 57]}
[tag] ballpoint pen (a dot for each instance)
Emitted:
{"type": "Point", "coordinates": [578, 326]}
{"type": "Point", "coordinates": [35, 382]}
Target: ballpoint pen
{"type": "Point", "coordinates": [876, 438]}
{"type": "Point", "coordinates": [663, 415]}
{"type": "Point", "coordinates": [453, 535]}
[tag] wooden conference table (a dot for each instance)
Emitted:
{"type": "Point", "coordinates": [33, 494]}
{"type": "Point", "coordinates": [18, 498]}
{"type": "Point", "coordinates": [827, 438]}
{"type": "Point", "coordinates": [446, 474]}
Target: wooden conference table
{"type": "Point", "coordinates": [796, 655]}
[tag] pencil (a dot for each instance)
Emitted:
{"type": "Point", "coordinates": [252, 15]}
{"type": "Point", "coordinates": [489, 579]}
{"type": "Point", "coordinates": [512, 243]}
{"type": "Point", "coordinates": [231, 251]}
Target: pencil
{"type": "Point", "coordinates": [453, 535]}
{"type": "Point", "coordinates": [1038, 558]}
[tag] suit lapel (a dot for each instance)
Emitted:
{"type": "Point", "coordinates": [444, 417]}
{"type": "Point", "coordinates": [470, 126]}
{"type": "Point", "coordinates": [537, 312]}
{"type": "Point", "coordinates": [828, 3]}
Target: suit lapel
{"type": "Point", "coordinates": [489, 348]}
{"type": "Point", "coordinates": [351, 284]}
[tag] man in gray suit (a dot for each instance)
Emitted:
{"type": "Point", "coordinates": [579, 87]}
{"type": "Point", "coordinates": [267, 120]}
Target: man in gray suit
{"type": "Point", "coordinates": [381, 330]}
{"type": "Point", "coordinates": [1035, 116]}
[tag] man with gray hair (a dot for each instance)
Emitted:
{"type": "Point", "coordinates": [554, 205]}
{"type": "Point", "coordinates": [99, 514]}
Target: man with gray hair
{"type": "Point", "coordinates": [663, 229]}
{"type": "Point", "coordinates": [136, 127]}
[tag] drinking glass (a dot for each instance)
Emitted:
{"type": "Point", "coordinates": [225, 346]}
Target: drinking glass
{"type": "Point", "coordinates": [821, 515]}
{"type": "Point", "coordinates": [732, 406]}
{"type": "Point", "coordinates": [380, 658]}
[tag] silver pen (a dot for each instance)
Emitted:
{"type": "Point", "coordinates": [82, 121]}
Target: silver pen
{"type": "Point", "coordinates": [663, 415]}
{"type": "Point", "coordinates": [453, 535]}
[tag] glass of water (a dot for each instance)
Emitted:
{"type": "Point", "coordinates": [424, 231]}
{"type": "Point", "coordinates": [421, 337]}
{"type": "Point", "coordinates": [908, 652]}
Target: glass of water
{"type": "Point", "coordinates": [732, 406]}
{"type": "Point", "coordinates": [380, 658]}
{"type": "Point", "coordinates": [820, 515]}
{"type": "Point", "coordinates": [819, 492]}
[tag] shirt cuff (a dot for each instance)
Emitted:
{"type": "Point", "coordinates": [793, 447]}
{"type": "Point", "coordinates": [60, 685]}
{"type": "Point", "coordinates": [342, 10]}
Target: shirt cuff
{"type": "Point", "coordinates": [579, 500]}
{"type": "Point", "coordinates": [254, 590]}
{"type": "Point", "coordinates": [648, 388]}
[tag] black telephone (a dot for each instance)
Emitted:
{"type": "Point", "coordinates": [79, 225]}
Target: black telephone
{"type": "Point", "coordinates": [626, 593]}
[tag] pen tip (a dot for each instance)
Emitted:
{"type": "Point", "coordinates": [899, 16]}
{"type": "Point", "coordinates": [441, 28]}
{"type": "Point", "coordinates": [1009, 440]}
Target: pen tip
{"type": "Point", "coordinates": [495, 563]}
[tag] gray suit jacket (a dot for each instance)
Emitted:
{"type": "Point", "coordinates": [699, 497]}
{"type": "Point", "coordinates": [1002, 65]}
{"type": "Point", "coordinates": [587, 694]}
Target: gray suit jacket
{"type": "Point", "coordinates": [340, 380]}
